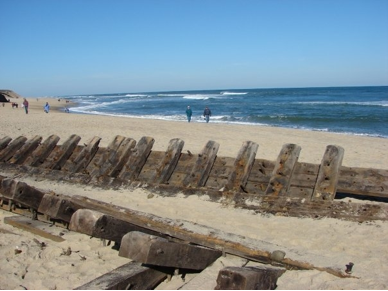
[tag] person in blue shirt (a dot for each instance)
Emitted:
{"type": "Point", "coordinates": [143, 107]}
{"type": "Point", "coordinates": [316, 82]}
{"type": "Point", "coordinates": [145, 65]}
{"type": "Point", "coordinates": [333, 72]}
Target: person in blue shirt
{"type": "Point", "coordinates": [189, 112]}
{"type": "Point", "coordinates": [47, 108]}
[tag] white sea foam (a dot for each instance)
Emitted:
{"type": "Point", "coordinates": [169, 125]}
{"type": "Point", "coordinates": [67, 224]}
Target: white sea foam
{"type": "Point", "coordinates": [233, 93]}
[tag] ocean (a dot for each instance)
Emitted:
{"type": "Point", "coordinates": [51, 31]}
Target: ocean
{"type": "Point", "coordinates": [346, 110]}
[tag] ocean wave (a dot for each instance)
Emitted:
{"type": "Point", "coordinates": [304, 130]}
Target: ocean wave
{"type": "Point", "coordinates": [233, 93]}
{"type": "Point", "coordinates": [359, 103]}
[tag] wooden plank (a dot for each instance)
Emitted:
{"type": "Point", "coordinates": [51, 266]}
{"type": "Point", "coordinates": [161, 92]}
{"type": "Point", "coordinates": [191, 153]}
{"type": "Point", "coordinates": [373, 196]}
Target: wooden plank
{"type": "Point", "coordinates": [242, 167]}
{"type": "Point", "coordinates": [23, 153]}
{"type": "Point", "coordinates": [84, 157]}
{"type": "Point", "coordinates": [360, 181]}
{"type": "Point", "coordinates": [137, 159]}
{"type": "Point", "coordinates": [94, 168]}
{"type": "Point", "coordinates": [169, 161]}
{"type": "Point", "coordinates": [282, 173]}
{"type": "Point", "coordinates": [254, 250]}
{"type": "Point", "coordinates": [248, 278]}
{"type": "Point", "coordinates": [12, 148]}
{"type": "Point", "coordinates": [59, 157]}
{"type": "Point", "coordinates": [205, 160]}
{"type": "Point", "coordinates": [27, 195]}
{"type": "Point", "coordinates": [326, 185]}
{"type": "Point", "coordinates": [38, 157]}
{"type": "Point", "coordinates": [4, 142]}
{"type": "Point", "coordinates": [57, 207]}
{"type": "Point", "coordinates": [122, 155]}
{"type": "Point", "coordinates": [34, 226]}
{"type": "Point", "coordinates": [131, 276]}
{"type": "Point", "coordinates": [7, 187]}
{"type": "Point", "coordinates": [157, 251]}
{"type": "Point", "coordinates": [100, 225]}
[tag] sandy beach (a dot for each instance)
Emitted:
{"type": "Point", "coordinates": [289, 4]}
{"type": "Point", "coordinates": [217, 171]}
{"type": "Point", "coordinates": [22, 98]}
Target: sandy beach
{"type": "Point", "coordinates": [335, 241]}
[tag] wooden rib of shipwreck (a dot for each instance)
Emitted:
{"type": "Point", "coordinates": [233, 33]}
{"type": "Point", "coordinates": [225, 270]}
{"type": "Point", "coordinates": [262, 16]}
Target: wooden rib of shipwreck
{"type": "Point", "coordinates": [282, 187]}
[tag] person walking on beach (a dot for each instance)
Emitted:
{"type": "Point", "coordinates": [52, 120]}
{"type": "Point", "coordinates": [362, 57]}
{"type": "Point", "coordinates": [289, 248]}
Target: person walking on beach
{"type": "Point", "coordinates": [25, 105]}
{"type": "Point", "coordinates": [207, 113]}
{"type": "Point", "coordinates": [189, 112]}
{"type": "Point", "coordinates": [47, 108]}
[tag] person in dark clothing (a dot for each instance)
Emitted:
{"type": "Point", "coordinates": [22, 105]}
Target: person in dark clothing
{"type": "Point", "coordinates": [189, 112]}
{"type": "Point", "coordinates": [207, 113]}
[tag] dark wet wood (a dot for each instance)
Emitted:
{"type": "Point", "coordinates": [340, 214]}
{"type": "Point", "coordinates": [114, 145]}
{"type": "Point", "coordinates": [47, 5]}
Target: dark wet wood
{"type": "Point", "coordinates": [242, 167]}
{"type": "Point", "coordinates": [205, 160]}
{"type": "Point", "coordinates": [131, 276]}
{"type": "Point", "coordinates": [7, 153]}
{"type": "Point", "coordinates": [157, 251]}
{"type": "Point", "coordinates": [326, 184]}
{"type": "Point", "coordinates": [284, 168]}
{"type": "Point", "coordinates": [26, 150]}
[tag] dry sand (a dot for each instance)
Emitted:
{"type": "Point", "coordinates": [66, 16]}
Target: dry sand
{"type": "Point", "coordinates": [331, 241]}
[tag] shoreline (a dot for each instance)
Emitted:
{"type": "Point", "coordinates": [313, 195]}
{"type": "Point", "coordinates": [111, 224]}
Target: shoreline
{"type": "Point", "coordinates": [360, 151]}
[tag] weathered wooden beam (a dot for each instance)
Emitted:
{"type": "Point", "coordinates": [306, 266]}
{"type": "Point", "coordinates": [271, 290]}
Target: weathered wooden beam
{"type": "Point", "coordinates": [84, 157]}
{"type": "Point", "coordinates": [326, 185]}
{"type": "Point", "coordinates": [4, 142]}
{"type": "Point", "coordinates": [27, 195]}
{"type": "Point", "coordinates": [248, 278]}
{"type": "Point", "coordinates": [12, 148]}
{"type": "Point", "coordinates": [254, 250]}
{"type": "Point", "coordinates": [137, 159]}
{"type": "Point", "coordinates": [201, 170]}
{"type": "Point", "coordinates": [123, 153]}
{"type": "Point", "coordinates": [282, 173]}
{"type": "Point", "coordinates": [57, 207]}
{"type": "Point", "coordinates": [242, 167]}
{"type": "Point", "coordinates": [25, 151]}
{"type": "Point", "coordinates": [33, 226]}
{"type": "Point", "coordinates": [22, 193]}
{"type": "Point", "coordinates": [360, 181]}
{"type": "Point", "coordinates": [157, 251]}
{"type": "Point", "coordinates": [169, 162]}
{"type": "Point", "coordinates": [131, 276]}
{"type": "Point", "coordinates": [59, 157]}
{"type": "Point", "coordinates": [39, 156]}
{"type": "Point", "coordinates": [100, 225]}
{"type": "Point", "coordinates": [96, 167]}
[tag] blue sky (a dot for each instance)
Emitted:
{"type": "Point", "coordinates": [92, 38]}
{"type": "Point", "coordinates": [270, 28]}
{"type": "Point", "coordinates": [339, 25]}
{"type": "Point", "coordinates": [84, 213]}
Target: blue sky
{"type": "Point", "coordinates": [65, 47]}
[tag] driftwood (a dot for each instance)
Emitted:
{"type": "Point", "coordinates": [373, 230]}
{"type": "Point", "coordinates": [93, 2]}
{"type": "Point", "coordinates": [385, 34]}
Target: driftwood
{"type": "Point", "coordinates": [131, 276]}
{"type": "Point", "coordinates": [180, 230]}
{"type": "Point", "coordinates": [248, 278]}
{"type": "Point", "coordinates": [157, 251]}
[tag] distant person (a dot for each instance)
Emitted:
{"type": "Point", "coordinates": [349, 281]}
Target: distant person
{"type": "Point", "coordinates": [47, 107]}
{"type": "Point", "coordinates": [25, 105]}
{"type": "Point", "coordinates": [207, 113]}
{"type": "Point", "coordinates": [189, 112]}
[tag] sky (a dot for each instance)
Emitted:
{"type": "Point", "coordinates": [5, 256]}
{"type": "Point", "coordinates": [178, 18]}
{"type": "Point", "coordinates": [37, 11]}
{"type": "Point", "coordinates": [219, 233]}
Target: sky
{"type": "Point", "coordinates": [70, 47]}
